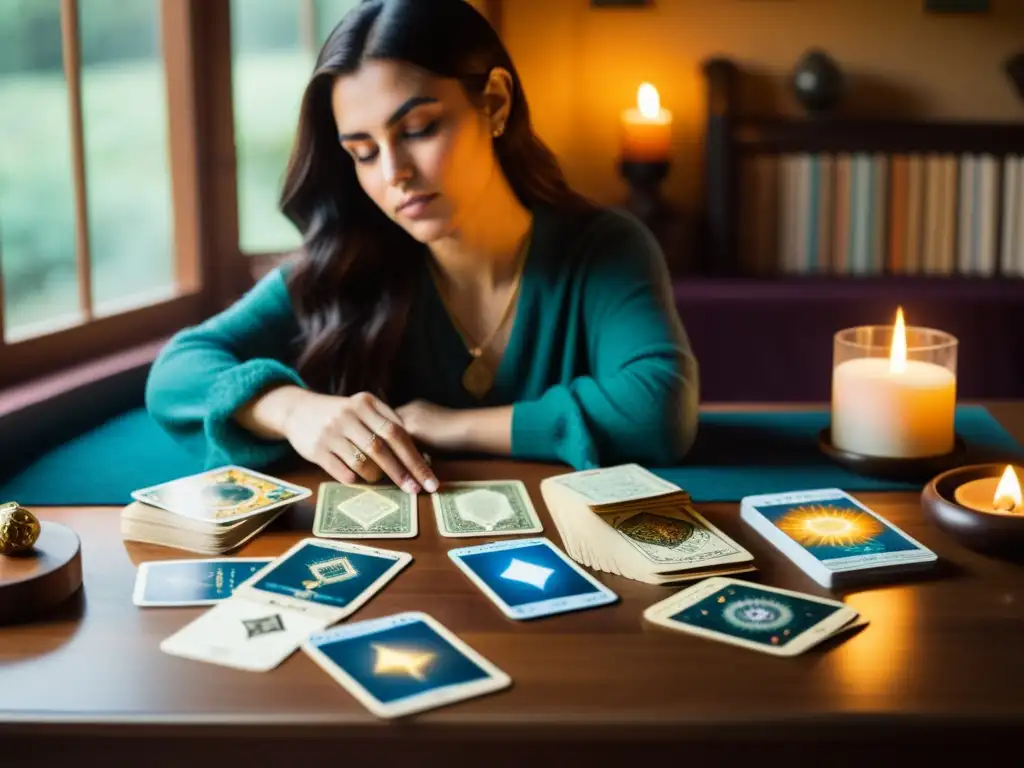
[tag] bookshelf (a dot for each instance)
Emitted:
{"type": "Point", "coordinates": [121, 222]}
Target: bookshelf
{"type": "Point", "coordinates": [855, 197]}
{"type": "Point", "coordinates": [762, 327]}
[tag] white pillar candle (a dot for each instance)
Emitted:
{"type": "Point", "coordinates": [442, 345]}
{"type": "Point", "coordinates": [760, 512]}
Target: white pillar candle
{"type": "Point", "coordinates": [907, 412]}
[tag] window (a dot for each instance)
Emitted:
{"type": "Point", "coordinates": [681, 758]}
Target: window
{"type": "Point", "coordinates": [274, 46]}
{"type": "Point", "coordinates": [99, 241]}
{"type": "Point", "coordinates": [143, 145]}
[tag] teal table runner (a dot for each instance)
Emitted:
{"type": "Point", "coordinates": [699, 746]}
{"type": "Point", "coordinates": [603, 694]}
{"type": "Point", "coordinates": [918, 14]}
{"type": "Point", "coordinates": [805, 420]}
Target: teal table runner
{"type": "Point", "coordinates": [741, 454]}
{"type": "Point", "coordinates": [736, 454]}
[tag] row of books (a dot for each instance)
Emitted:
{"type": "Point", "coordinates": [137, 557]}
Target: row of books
{"type": "Point", "coordinates": [876, 213]}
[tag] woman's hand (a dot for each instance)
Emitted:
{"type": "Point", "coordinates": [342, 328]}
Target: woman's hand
{"type": "Point", "coordinates": [357, 437]}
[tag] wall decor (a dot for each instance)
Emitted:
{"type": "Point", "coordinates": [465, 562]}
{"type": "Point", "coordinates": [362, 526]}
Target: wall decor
{"type": "Point", "coordinates": [817, 82]}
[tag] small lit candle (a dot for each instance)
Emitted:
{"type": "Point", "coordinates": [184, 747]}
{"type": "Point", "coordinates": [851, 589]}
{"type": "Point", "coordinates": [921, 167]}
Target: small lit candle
{"type": "Point", "coordinates": [989, 494]}
{"type": "Point", "coordinates": [895, 407]}
{"type": "Point", "coordinates": [647, 129]}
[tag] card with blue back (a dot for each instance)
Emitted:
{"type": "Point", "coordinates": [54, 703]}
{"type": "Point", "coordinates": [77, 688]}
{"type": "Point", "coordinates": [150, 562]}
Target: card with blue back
{"type": "Point", "coordinates": [401, 664]}
{"type": "Point", "coordinates": [529, 578]}
{"type": "Point", "coordinates": [168, 583]}
{"type": "Point", "coordinates": [324, 577]}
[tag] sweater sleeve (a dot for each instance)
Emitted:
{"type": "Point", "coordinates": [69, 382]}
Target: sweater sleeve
{"type": "Point", "coordinates": [639, 401]}
{"type": "Point", "coordinates": [206, 372]}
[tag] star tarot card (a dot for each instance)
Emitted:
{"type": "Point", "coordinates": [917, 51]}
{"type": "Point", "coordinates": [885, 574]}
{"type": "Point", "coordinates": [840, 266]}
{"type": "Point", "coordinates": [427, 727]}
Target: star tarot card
{"type": "Point", "coordinates": [401, 664]}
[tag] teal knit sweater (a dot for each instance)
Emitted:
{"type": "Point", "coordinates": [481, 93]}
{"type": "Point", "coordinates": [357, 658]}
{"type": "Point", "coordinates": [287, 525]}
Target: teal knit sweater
{"type": "Point", "coordinates": [598, 368]}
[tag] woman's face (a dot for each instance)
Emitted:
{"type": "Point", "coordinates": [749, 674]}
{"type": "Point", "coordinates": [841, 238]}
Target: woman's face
{"type": "Point", "coordinates": [421, 150]}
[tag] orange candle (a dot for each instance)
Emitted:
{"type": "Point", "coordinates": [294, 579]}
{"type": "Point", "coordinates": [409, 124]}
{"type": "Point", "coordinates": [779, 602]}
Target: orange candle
{"type": "Point", "coordinates": [646, 129]}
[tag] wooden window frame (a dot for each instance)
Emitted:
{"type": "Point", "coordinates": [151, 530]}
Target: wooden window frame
{"type": "Point", "coordinates": [210, 269]}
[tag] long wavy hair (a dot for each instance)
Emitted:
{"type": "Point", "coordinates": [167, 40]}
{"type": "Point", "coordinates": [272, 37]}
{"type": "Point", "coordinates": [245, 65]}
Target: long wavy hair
{"type": "Point", "coordinates": [354, 284]}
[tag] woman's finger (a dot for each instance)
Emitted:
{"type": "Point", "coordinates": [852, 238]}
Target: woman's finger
{"type": "Point", "coordinates": [356, 459]}
{"type": "Point", "coordinates": [337, 469]}
{"type": "Point", "coordinates": [401, 445]}
{"type": "Point", "coordinates": [377, 450]}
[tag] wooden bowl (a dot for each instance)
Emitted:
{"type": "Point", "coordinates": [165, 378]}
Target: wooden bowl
{"type": "Point", "coordinates": [997, 534]}
{"type": "Point", "coordinates": [913, 470]}
{"type": "Point", "coordinates": [43, 577]}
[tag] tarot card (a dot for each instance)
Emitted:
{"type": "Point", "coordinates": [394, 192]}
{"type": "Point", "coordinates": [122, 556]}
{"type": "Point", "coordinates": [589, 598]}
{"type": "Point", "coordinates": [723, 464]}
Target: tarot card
{"type": "Point", "coordinates": [485, 508]}
{"type": "Point", "coordinates": [192, 582]}
{"type": "Point", "coordinates": [827, 532]}
{"type": "Point", "coordinates": [364, 511]}
{"type": "Point", "coordinates": [402, 664]}
{"type": "Point", "coordinates": [676, 538]}
{"type": "Point", "coordinates": [767, 619]}
{"type": "Point", "coordinates": [528, 578]}
{"type": "Point", "coordinates": [616, 485]}
{"type": "Point", "coordinates": [242, 634]}
{"type": "Point", "coordinates": [222, 495]}
{"type": "Point", "coordinates": [326, 578]}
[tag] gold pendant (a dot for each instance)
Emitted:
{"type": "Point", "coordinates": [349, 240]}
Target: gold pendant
{"type": "Point", "coordinates": [477, 378]}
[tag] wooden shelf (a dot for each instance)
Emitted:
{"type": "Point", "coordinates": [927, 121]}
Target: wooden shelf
{"type": "Point", "coordinates": [828, 135]}
{"type": "Point", "coordinates": [817, 288]}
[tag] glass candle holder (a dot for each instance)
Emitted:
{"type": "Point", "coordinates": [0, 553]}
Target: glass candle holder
{"type": "Point", "coordinates": [894, 391]}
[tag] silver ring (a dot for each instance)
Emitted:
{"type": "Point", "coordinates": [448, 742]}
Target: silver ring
{"type": "Point", "coordinates": [358, 456]}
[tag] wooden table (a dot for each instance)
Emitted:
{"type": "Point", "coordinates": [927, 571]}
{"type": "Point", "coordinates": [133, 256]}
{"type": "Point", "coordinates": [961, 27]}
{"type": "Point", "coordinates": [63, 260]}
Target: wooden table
{"type": "Point", "coordinates": [939, 670]}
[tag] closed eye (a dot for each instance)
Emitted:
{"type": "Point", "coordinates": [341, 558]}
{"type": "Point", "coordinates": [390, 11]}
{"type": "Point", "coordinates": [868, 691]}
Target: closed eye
{"type": "Point", "coordinates": [428, 130]}
{"type": "Point", "coordinates": [425, 132]}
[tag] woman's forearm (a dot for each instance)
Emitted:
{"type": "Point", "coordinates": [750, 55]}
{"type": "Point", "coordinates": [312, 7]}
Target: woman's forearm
{"type": "Point", "coordinates": [266, 415]}
{"type": "Point", "coordinates": [486, 430]}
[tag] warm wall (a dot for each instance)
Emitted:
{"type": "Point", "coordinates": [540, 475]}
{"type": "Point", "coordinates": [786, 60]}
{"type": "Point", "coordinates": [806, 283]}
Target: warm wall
{"type": "Point", "coordinates": [581, 66]}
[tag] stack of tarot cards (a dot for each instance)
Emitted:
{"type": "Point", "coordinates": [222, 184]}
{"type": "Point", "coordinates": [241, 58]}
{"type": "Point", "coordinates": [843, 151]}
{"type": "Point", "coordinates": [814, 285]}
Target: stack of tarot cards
{"type": "Point", "coordinates": [628, 521]}
{"type": "Point", "coordinates": [211, 513]}
{"type": "Point", "coordinates": [833, 538]}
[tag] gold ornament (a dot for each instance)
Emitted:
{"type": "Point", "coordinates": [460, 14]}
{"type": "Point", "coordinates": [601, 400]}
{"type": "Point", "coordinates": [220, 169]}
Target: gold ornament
{"type": "Point", "coordinates": [19, 528]}
{"type": "Point", "coordinates": [478, 378]}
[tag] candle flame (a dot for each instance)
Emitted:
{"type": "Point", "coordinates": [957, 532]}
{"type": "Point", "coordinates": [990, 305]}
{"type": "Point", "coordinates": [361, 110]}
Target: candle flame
{"type": "Point", "coordinates": [1008, 495]}
{"type": "Point", "coordinates": [648, 101]}
{"type": "Point", "coordinates": [898, 352]}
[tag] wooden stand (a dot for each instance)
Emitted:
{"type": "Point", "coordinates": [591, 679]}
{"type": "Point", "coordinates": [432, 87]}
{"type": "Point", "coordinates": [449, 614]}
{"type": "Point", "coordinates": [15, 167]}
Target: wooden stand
{"type": "Point", "coordinates": [36, 581]}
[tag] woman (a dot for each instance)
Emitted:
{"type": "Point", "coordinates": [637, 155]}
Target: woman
{"type": "Point", "coordinates": [453, 292]}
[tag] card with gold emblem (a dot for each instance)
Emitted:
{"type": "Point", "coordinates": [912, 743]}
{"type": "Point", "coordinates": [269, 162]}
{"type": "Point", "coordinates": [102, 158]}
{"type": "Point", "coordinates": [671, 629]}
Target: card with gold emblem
{"type": "Point", "coordinates": [402, 664]}
{"type": "Point", "coordinates": [332, 579]}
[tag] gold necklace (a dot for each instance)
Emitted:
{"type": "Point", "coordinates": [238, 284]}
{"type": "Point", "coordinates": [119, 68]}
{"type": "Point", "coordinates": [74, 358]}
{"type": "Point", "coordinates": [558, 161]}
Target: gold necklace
{"type": "Point", "coordinates": [478, 378]}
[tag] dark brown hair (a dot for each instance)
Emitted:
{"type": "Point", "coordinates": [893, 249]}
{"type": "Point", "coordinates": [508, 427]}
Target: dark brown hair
{"type": "Point", "coordinates": [354, 285]}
